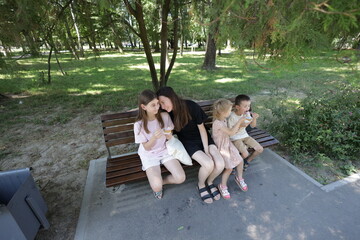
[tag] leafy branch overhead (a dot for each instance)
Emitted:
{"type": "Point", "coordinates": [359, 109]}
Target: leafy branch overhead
{"type": "Point", "coordinates": [284, 30]}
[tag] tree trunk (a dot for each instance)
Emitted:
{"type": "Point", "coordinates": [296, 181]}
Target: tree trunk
{"type": "Point", "coordinates": [79, 43]}
{"type": "Point", "coordinates": [49, 65]}
{"type": "Point", "coordinates": [33, 48]}
{"type": "Point", "coordinates": [58, 63]}
{"type": "Point", "coordinates": [164, 37]}
{"type": "Point", "coordinates": [181, 44]}
{"type": "Point", "coordinates": [157, 45]}
{"type": "Point", "coordinates": [89, 42]}
{"type": "Point", "coordinates": [139, 15]}
{"type": "Point", "coordinates": [210, 55]}
{"type": "Point", "coordinates": [176, 38]}
{"type": "Point", "coordinates": [70, 39]}
{"type": "Point", "coordinates": [117, 39]}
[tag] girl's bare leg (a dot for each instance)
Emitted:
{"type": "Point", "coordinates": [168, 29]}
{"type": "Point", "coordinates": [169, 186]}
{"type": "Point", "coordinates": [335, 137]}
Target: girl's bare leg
{"type": "Point", "coordinates": [154, 176]}
{"type": "Point", "coordinates": [177, 175]}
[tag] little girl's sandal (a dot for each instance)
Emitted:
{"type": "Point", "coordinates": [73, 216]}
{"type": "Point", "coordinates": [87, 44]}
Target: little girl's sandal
{"type": "Point", "coordinates": [158, 195]}
{"type": "Point", "coordinates": [224, 191]}
{"type": "Point", "coordinates": [241, 183]}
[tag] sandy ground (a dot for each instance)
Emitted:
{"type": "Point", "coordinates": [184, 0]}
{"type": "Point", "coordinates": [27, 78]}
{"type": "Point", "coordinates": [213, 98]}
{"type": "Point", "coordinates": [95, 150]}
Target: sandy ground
{"type": "Point", "coordinates": [59, 156]}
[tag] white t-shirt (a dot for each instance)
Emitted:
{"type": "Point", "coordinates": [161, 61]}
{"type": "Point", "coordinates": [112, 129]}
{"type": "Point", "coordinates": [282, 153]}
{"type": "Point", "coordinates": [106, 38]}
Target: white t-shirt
{"type": "Point", "coordinates": [159, 148]}
{"type": "Point", "coordinates": [231, 121]}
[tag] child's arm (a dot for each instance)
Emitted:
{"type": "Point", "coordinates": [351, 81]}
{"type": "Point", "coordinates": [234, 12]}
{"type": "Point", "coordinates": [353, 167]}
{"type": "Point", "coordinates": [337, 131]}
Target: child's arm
{"type": "Point", "coordinates": [253, 122]}
{"type": "Point", "coordinates": [233, 130]}
{"type": "Point", "coordinates": [149, 144]}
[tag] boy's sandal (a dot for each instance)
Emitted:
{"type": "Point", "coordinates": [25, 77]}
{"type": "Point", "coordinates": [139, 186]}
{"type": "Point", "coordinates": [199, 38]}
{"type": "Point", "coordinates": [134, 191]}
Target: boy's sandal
{"type": "Point", "coordinates": [224, 191]}
{"type": "Point", "coordinates": [206, 196]}
{"type": "Point", "coordinates": [158, 195]}
{"type": "Point", "coordinates": [214, 191]}
{"type": "Point", "coordinates": [241, 183]}
{"type": "Point", "coordinates": [246, 165]}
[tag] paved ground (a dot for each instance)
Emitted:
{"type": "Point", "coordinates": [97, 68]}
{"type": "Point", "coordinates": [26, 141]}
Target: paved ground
{"type": "Point", "coordinates": [282, 203]}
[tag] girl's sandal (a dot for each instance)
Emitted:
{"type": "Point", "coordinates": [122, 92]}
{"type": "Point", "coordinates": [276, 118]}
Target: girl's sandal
{"type": "Point", "coordinates": [241, 183]}
{"type": "Point", "coordinates": [207, 197]}
{"type": "Point", "coordinates": [224, 191]}
{"type": "Point", "coordinates": [158, 195]}
{"type": "Point", "coordinates": [214, 192]}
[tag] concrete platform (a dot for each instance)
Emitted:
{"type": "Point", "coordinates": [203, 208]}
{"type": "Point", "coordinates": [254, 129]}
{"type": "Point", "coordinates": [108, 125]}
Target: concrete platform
{"type": "Point", "coordinates": [282, 203]}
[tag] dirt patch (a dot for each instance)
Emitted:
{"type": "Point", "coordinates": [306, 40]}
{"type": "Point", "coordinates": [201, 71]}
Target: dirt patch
{"type": "Point", "coordinates": [59, 156]}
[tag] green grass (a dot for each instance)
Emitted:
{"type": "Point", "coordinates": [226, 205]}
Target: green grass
{"type": "Point", "coordinates": [112, 81]}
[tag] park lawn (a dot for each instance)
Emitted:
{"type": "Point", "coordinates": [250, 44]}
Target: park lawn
{"type": "Point", "coordinates": [111, 82]}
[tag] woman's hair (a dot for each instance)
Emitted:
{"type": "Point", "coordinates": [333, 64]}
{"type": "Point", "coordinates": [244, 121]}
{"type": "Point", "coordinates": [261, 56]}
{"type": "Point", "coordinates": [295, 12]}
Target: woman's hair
{"type": "Point", "coordinates": [220, 106]}
{"type": "Point", "coordinates": [180, 109]}
{"type": "Point", "coordinates": [145, 97]}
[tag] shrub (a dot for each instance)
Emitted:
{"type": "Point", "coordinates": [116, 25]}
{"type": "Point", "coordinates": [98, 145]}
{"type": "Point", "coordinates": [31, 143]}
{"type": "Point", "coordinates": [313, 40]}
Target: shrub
{"type": "Point", "coordinates": [327, 125]}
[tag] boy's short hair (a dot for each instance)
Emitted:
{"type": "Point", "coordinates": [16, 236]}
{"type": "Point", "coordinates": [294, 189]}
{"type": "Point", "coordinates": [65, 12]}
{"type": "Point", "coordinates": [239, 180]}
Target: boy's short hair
{"type": "Point", "coordinates": [240, 98]}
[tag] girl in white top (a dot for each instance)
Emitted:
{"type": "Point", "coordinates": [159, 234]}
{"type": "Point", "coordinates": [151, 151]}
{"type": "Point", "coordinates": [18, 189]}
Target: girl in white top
{"type": "Point", "coordinates": [149, 133]}
{"type": "Point", "coordinates": [221, 135]}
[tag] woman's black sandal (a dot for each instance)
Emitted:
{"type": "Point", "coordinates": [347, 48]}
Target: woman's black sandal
{"type": "Point", "coordinates": [215, 193]}
{"type": "Point", "coordinates": [207, 196]}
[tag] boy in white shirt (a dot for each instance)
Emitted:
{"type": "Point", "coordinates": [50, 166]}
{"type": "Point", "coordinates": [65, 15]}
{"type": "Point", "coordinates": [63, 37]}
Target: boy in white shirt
{"type": "Point", "coordinates": [241, 139]}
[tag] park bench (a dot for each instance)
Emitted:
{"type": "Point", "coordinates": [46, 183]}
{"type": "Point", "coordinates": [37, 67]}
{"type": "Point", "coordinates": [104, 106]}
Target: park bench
{"type": "Point", "coordinates": [118, 130]}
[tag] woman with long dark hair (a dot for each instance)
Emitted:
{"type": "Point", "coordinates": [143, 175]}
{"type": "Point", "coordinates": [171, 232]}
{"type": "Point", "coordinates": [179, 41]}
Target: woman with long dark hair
{"type": "Point", "coordinates": [188, 119]}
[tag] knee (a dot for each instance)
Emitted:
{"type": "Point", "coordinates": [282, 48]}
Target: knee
{"type": "Point", "coordinates": [209, 166]}
{"type": "Point", "coordinates": [259, 149]}
{"type": "Point", "coordinates": [156, 185]}
{"type": "Point", "coordinates": [219, 165]}
{"type": "Point", "coordinates": [179, 178]}
{"type": "Point", "coordinates": [245, 154]}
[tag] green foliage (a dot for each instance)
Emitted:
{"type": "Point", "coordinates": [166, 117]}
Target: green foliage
{"type": "Point", "coordinates": [325, 126]}
{"type": "Point", "coordinates": [348, 169]}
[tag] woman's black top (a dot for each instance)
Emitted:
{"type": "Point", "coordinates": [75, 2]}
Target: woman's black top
{"type": "Point", "coordinates": [190, 134]}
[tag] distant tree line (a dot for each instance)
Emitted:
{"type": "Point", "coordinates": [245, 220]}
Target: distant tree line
{"type": "Point", "coordinates": [283, 29]}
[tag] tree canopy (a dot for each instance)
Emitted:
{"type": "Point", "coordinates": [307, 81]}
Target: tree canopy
{"type": "Point", "coordinates": [284, 29]}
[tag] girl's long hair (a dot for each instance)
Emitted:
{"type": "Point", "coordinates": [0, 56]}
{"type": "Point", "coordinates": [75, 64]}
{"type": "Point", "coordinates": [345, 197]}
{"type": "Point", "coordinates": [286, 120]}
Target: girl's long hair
{"type": "Point", "coordinates": [220, 106]}
{"type": "Point", "coordinates": [145, 97]}
{"type": "Point", "coordinates": [180, 109]}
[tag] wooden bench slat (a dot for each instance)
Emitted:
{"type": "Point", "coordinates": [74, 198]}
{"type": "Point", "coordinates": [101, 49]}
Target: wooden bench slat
{"type": "Point", "coordinates": [123, 134]}
{"type": "Point", "coordinates": [128, 114]}
{"type": "Point", "coordinates": [120, 141]}
{"type": "Point", "coordinates": [128, 158]}
{"type": "Point", "coordinates": [124, 172]}
{"type": "Point", "coordinates": [256, 137]}
{"type": "Point", "coordinates": [255, 131]}
{"type": "Point", "coordinates": [270, 143]}
{"type": "Point", "coordinates": [118, 128]}
{"type": "Point", "coordinates": [106, 124]}
{"type": "Point", "coordinates": [265, 139]}
{"type": "Point", "coordinates": [124, 165]}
